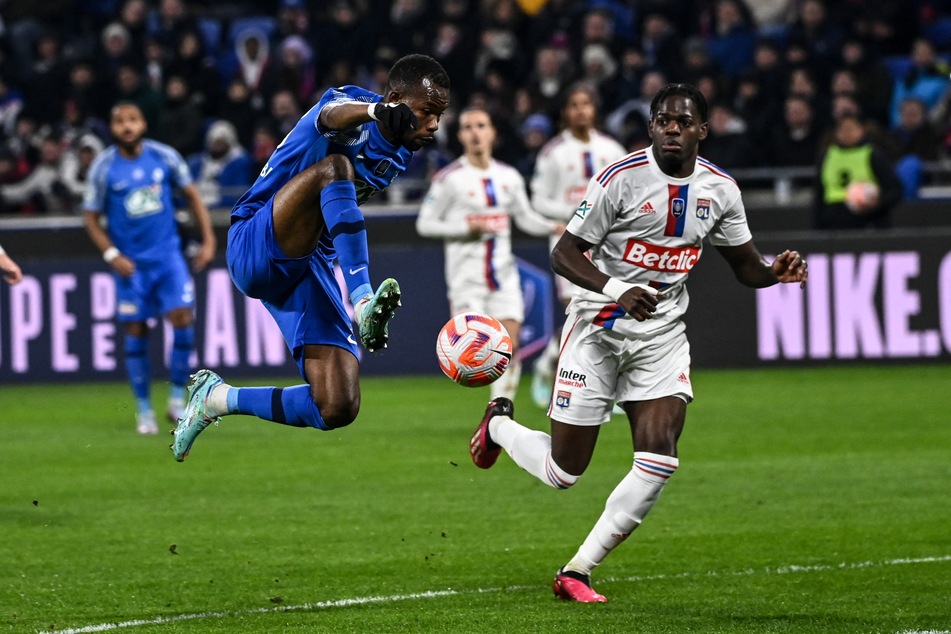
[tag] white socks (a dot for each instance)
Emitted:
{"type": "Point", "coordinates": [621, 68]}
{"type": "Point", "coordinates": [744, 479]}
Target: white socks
{"type": "Point", "coordinates": [625, 509]}
{"type": "Point", "coordinates": [531, 450]}
{"type": "Point", "coordinates": [507, 384]}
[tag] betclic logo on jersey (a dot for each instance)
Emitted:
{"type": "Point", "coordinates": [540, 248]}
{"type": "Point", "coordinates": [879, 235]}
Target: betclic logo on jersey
{"type": "Point", "coordinates": [659, 258]}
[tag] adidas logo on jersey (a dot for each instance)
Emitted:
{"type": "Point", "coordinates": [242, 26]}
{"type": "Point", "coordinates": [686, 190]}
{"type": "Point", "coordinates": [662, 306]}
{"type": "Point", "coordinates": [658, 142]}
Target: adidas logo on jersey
{"type": "Point", "coordinates": [647, 208]}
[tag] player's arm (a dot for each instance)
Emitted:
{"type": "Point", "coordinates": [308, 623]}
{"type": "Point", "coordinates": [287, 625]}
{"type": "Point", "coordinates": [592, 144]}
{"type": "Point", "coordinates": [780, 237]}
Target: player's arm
{"type": "Point", "coordinates": [209, 243]}
{"type": "Point", "coordinates": [346, 115]}
{"type": "Point", "coordinates": [436, 220]}
{"type": "Point", "coordinates": [568, 259]}
{"type": "Point", "coordinates": [121, 264]}
{"type": "Point", "coordinates": [752, 270]}
{"type": "Point", "coordinates": [9, 269]}
{"type": "Point", "coordinates": [545, 187]}
{"type": "Point", "coordinates": [527, 218]}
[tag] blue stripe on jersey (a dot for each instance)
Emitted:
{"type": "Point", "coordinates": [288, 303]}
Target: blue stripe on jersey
{"type": "Point", "coordinates": [491, 281]}
{"type": "Point", "coordinates": [676, 209]}
{"type": "Point", "coordinates": [588, 161]}
{"type": "Point", "coordinates": [490, 198]}
{"type": "Point", "coordinates": [635, 160]}
{"type": "Point", "coordinates": [608, 315]}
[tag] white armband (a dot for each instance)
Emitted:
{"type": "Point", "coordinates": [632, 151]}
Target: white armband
{"type": "Point", "coordinates": [614, 288]}
{"type": "Point", "coordinates": [110, 254]}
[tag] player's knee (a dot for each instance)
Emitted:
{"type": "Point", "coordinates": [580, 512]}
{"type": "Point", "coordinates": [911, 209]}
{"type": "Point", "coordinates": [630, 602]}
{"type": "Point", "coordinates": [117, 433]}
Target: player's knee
{"type": "Point", "coordinates": [334, 167]}
{"type": "Point", "coordinates": [558, 478]}
{"type": "Point", "coordinates": [339, 411]}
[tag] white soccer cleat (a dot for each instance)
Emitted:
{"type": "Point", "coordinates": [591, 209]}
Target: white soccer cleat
{"type": "Point", "coordinates": [146, 424]}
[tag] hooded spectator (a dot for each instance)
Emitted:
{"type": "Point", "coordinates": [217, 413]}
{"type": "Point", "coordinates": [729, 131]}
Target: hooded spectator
{"type": "Point", "coordinates": [224, 170]}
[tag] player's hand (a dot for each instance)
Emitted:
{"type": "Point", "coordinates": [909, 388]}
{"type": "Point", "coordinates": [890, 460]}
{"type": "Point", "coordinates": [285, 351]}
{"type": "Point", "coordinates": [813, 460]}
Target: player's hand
{"type": "Point", "coordinates": [396, 117]}
{"type": "Point", "coordinates": [204, 256]}
{"type": "Point", "coordinates": [477, 226]}
{"type": "Point", "coordinates": [789, 266]}
{"type": "Point", "coordinates": [10, 270]}
{"type": "Point", "coordinates": [123, 266]}
{"type": "Point", "coordinates": [640, 302]}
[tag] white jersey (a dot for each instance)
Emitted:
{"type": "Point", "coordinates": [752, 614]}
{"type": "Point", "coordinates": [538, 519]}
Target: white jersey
{"type": "Point", "coordinates": [563, 169]}
{"type": "Point", "coordinates": [648, 228]}
{"type": "Point", "coordinates": [460, 191]}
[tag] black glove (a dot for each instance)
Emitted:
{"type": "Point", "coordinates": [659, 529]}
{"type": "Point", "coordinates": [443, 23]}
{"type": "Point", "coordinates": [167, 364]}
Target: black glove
{"type": "Point", "coordinates": [396, 117]}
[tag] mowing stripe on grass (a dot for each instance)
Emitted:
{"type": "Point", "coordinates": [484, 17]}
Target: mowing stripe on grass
{"type": "Point", "coordinates": [433, 594]}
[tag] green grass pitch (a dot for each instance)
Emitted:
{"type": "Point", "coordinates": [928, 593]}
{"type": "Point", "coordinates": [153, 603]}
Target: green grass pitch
{"type": "Point", "coordinates": [808, 501]}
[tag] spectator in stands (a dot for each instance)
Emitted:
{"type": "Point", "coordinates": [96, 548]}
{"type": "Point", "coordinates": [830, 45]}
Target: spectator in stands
{"type": "Point", "coordinates": [131, 87]}
{"type": "Point", "coordinates": [628, 122]}
{"type": "Point", "coordinates": [42, 190]}
{"type": "Point", "coordinates": [293, 19]}
{"type": "Point", "coordinates": [9, 270]}
{"type": "Point", "coordinates": [236, 109]}
{"type": "Point", "coordinates": [856, 186]}
{"type": "Point", "coordinates": [224, 170]}
{"type": "Point", "coordinates": [74, 170]}
{"type": "Point", "coordinates": [734, 39]}
{"type": "Point", "coordinates": [927, 80]}
{"type": "Point", "coordinates": [134, 16]}
{"type": "Point", "coordinates": [631, 68]}
{"type": "Point", "coordinates": [887, 26]}
{"type": "Point", "coordinates": [295, 71]}
{"type": "Point", "coordinates": [551, 74]}
{"type": "Point", "coordinates": [250, 61]}
{"type": "Point", "coordinates": [913, 142]}
{"type": "Point", "coordinates": [796, 142]}
{"type": "Point", "coordinates": [44, 89]}
{"type": "Point", "coordinates": [661, 44]}
{"type": "Point", "coordinates": [759, 109]}
{"type": "Point", "coordinates": [170, 22]}
{"type": "Point", "coordinates": [535, 133]}
{"type": "Point", "coordinates": [181, 123]}
{"type": "Point", "coordinates": [820, 37]}
{"type": "Point", "coordinates": [453, 47]}
{"type": "Point", "coordinates": [728, 143]}
{"type": "Point", "coordinates": [873, 79]}
{"type": "Point", "coordinates": [116, 51]}
{"type": "Point", "coordinates": [11, 105]}
{"type": "Point", "coordinates": [285, 112]}
{"type": "Point", "coordinates": [263, 144]}
{"type": "Point", "coordinates": [87, 91]}
{"type": "Point", "coordinates": [192, 63]}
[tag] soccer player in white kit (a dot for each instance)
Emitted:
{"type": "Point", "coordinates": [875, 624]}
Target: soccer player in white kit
{"type": "Point", "coordinates": [470, 205]}
{"type": "Point", "coordinates": [562, 171]}
{"type": "Point", "coordinates": [642, 220]}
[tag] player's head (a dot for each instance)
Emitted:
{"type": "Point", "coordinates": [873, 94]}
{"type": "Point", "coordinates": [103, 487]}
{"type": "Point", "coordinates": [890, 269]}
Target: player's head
{"type": "Point", "coordinates": [420, 82]}
{"type": "Point", "coordinates": [127, 124]}
{"type": "Point", "coordinates": [678, 122]}
{"type": "Point", "coordinates": [580, 108]}
{"type": "Point", "coordinates": [476, 132]}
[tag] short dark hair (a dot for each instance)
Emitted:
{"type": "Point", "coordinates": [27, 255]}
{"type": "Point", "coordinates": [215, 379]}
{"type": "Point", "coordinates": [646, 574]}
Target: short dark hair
{"type": "Point", "coordinates": [412, 70]}
{"type": "Point", "coordinates": [683, 90]}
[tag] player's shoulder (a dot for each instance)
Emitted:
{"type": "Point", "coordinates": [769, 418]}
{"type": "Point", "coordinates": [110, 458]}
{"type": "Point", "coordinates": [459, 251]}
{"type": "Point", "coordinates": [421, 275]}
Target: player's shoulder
{"type": "Point", "coordinates": [164, 151]}
{"type": "Point", "coordinates": [606, 140]}
{"type": "Point", "coordinates": [634, 161]}
{"type": "Point", "coordinates": [446, 172]}
{"type": "Point", "coordinates": [715, 175]}
{"type": "Point", "coordinates": [552, 146]}
{"type": "Point", "coordinates": [104, 159]}
{"type": "Point", "coordinates": [349, 93]}
{"type": "Point", "coordinates": [506, 172]}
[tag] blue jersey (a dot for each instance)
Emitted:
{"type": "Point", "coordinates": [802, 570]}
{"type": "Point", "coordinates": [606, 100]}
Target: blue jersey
{"type": "Point", "coordinates": [376, 161]}
{"type": "Point", "coordinates": [136, 196]}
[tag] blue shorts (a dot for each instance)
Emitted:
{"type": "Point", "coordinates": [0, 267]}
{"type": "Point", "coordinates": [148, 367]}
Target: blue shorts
{"type": "Point", "coordinates": [302, 294]}
{"type": "Point", "coordinates": [154, 290]}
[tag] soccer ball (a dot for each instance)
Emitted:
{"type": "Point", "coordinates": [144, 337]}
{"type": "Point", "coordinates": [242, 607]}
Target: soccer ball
{"type": "Point", "coordinates": [473, 349]}
{"type": "Point", "coordinates": [859, 196]}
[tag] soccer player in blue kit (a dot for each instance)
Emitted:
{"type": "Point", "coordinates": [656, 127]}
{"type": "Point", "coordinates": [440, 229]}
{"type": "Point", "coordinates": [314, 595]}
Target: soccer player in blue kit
{"type": "Point", "coordinates": [130, 184]}
{"type": "Point", "coordinates": [299, 216]}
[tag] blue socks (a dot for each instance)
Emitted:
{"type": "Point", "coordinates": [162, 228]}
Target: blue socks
{"type": "Point", "coordinates": [183, 344]}
{"type": "Point", "coordinates": [137, 367]}
{"type": "Point", "coordinates": [345, 226]}
{"type": "Point", "coordinates": [288, 406]}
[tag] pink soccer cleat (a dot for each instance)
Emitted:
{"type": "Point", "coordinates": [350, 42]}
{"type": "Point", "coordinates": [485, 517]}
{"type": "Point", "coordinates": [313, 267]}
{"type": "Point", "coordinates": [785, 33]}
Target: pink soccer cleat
{"type": "Point", "coordinates": [484, 452]}
{"type": "Point", "coordinates": [571, 586]}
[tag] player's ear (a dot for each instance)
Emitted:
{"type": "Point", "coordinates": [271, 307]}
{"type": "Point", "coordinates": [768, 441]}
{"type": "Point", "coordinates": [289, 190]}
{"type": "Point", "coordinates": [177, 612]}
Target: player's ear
{"type": "Point", "coordinates": [704, 130]}
{"type": "Point", "coordinates": [394, 96]}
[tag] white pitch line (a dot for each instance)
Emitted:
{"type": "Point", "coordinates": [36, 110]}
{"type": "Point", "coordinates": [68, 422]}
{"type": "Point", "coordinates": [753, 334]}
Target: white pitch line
{"type": "Point", "coordinates": [435, 594]}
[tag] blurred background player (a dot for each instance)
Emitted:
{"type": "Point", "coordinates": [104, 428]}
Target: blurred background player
{"type": "Point", "coordinates": [299, 216]}
{"type": "Point", "coordinates": [9, 270]}
{"type": "Point", "coordinates": [469, 205]}
{"type": "Point", "coordinates": [642, 222]}
{"type": "Point", "coordinates": [130, 186]}
{"type": "Point", "coordinates": [562, 171]}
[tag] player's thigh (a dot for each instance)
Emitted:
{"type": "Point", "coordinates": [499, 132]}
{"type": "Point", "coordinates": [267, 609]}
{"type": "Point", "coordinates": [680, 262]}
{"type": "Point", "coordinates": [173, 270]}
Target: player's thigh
{"type": "Point", "coordinates": [572, 446]}
{"type": "Point", "coordinates": [656, 367]}
{"type": "Point", "coordinates": [333, 374]}
{"type": "Point", "coordinates": [313, 313]}
{"type": "Point", "coordinates": [586, 376]}
{"type": "Point", "coordinates": [132, 297]}
{"type": "Point", "coordinates": [173, 286]}
{"type": "Point", "coordinates": [258, 266]}
{"type": "Point", "coordinates": [656, 424]}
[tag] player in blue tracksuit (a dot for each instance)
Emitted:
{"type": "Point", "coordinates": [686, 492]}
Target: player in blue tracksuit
{"type": "Point", "coordinates": [302, 214]}
{"type": "Point", "coordinates": [130, 184]}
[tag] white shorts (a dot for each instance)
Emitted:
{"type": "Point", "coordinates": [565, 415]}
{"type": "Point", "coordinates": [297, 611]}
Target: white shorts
{"type": "Point", "coordinates": [597, 367]}
{"type": "Point", "coordinates": [504, 303]}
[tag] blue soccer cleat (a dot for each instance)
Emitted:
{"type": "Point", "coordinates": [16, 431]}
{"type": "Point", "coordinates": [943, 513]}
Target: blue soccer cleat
{"type": "Point", "coordinates": [196, 417]}
{"type": "Point", "coordinates": [374, 313]}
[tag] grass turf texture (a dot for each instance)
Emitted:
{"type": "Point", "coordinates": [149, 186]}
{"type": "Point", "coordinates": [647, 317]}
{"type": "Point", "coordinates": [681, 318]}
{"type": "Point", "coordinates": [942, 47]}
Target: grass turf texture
{"type": "Point", "coordinates": [815, 467]}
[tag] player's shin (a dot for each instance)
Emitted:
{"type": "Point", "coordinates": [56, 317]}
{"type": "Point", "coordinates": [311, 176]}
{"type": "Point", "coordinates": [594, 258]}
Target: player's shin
{"type": "Point", "coordinates": [507, 384]}
{"type": "Point", "coordinates": [137, 367]}
{"type": "Point", "coordinates": [531, 450]}
{"type": "Point", "coordinates": [626, 508]}
{"type": "Point", "coordinates": [291, 406]}
{"type": "Point", "coordinates": [346, 227]}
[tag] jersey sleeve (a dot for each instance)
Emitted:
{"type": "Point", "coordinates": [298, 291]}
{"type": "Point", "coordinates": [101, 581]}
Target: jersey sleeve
{"type": "Point", "coordinates": [545, 198]}
{"type": "Point", "coordinates": [179, 174]}
{"type": "Point", "coordinates": [525, 216]}
{"type": "Point", "coordinates": [596, 214]}
{"type": "Point", "coordinates": [435, 218]}
{"type": "Point", "coordinates": [732, 228]}
{"type": "Point", "coordinates": [94, 196]}
{"type": "Point", "coordinates": [334, 97]}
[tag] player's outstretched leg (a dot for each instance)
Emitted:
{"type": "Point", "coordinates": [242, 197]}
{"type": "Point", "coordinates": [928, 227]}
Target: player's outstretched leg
{"type": "Point", "coordinates": [482, 448]}
{"type": "Point", "coordinates": [572, 586]}
{"type": "Point", "coordinates": [196, 416]}
{"type": "Point", "coordinates": [374, 313]}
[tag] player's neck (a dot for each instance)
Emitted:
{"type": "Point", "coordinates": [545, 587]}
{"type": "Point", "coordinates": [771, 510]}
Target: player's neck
{"type": "Point", "coordinates": [582, 134]}
{"type": "Point", "coordinates": [130, 152]}
{"type": "Point", "coordinates": [480, 159]}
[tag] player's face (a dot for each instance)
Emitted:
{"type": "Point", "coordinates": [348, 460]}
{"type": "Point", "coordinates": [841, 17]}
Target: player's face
{"type": "Point", "coordinates": [580, 111]}
{"type": "Point", "coordinates": [127, 125]}
{"type": "Point", "coordinates": [476, 132]}
{"type": "Point", "coordinates": [428, 102]}
{"type": "Point", "coordinates": [676, 131]}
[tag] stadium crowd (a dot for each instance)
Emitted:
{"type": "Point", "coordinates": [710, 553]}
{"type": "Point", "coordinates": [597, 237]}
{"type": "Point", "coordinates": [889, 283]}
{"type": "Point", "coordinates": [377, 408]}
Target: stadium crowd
{"type": "Point", "coordinates": [222, 83]}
